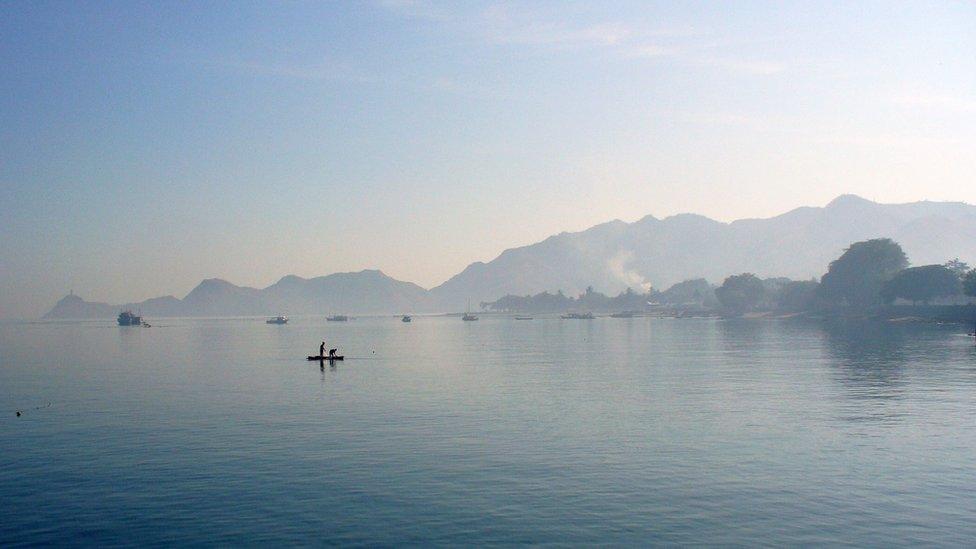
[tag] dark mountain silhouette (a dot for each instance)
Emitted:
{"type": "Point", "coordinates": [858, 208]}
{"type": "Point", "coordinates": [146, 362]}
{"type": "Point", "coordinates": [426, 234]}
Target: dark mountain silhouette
{"type": "Point", "coordinates": [610, 257]}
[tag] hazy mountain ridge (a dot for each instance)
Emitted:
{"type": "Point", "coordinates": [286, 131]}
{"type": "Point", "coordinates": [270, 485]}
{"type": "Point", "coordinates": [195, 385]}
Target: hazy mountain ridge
{"type": "Point", "coordinates": [660, 252]}
{"type": "Point", "coordinates": [612, 256]}
{"type": "Point", "coordinates": [365, 292]}
{"type": "Point", "coordinates": [72, 306]}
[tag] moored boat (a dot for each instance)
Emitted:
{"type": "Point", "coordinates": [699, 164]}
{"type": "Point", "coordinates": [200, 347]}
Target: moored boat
{"type": "Point", "coordinates": [578, 316]}
{"type": "Point", "coordinates": [468, 315]}
{"type": "Point", "coordinates": [128, 318]}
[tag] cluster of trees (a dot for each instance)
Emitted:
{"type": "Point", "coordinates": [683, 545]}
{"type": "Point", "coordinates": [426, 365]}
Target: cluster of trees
{"type": "Point", "coordinates": [746, 292]}
{"type": "Point", "coordinates": [868, 274]}
{"type": "Point", "coordinates": [590, 300]}
{"type": "Point", "coordinates": [697, 293]}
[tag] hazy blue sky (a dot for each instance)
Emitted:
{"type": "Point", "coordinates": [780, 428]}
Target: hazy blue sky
{"type": "Point", "coordinates": [145, 146]}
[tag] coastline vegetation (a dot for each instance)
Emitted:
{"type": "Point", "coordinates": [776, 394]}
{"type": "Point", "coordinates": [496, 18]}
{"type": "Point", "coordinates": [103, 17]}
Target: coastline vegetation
{"type": "Point", "coordinates": [871, 278]}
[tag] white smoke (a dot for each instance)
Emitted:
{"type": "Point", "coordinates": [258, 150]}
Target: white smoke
{"type": "Point", "coordinates": [618, 267]}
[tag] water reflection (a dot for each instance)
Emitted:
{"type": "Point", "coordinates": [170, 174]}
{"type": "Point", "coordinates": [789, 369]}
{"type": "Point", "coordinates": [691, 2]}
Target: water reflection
{"type": "Point", "coordinates": [882, 366]}
{"type": "Point", "coordinates": [868, 361]}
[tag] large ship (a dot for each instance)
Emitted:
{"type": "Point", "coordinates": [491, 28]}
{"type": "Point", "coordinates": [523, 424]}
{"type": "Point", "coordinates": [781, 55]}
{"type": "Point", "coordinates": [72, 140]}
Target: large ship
{"type": "Point", "coordinates": [128, 318]}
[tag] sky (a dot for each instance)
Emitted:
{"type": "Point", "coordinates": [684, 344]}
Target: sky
{"type": "Point", "coordinates": [147, 146]}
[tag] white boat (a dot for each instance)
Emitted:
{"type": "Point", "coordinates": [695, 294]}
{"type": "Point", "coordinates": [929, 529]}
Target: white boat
{"type": "Point", "coordinates": [468, 316]}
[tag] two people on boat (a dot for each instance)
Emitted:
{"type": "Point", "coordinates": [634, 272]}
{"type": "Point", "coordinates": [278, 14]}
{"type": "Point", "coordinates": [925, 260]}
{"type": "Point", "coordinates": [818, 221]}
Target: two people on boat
{"type": "Point", "coordinates": [332, 352]}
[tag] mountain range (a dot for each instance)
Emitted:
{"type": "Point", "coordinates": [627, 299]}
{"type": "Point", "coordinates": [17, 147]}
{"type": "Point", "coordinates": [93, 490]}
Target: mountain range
{"type": "Point", "coordinates": [611, 257]}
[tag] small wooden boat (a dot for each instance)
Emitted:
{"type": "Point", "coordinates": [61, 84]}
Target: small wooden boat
{"type": "Point", "coordinates": [327, 357]}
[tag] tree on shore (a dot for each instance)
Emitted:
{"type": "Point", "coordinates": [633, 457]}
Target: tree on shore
{"type": "Point", "coordinates": [969, 283]}
{"type": "Point", "coordinates": [960, 268]}
{"type": "Point", "coordinates": [797, 295]}
{"type": "Point", "coordinates": [857, 277]}
{"type": "Point", "coordinates": [923, 284]}
{"type": "Point", "coordinates": [591, 300]}
{"type": "Point", "coordinates": [696, 292]}
{"type": "Point", "coordinates": [741, 293]}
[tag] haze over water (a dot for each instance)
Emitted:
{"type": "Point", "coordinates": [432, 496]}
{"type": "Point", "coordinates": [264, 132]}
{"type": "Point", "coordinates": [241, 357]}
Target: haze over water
{"type": "Point", "coordinates": [604, 431]}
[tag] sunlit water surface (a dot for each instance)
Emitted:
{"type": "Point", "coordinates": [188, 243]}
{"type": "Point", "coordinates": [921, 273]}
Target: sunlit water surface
{"type": "Point", "coordinates": [621, 431]}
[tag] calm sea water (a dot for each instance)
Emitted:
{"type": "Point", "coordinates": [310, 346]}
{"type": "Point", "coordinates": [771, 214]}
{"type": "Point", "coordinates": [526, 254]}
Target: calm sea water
{"type": "Point", "coordinates": [620, 431]}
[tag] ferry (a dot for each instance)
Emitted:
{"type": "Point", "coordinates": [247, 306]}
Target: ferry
{"type": "Point", "coordinates": [277, 320]}
{"type": "Point", "coordinates": [127, 318]}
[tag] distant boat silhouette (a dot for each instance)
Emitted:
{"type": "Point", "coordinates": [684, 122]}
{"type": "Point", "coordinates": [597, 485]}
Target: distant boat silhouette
{"type": "Point", "coordinates": [128, 318]}
{"type": "Point", "coordinates": [468, 316]}
{"type": "Point", "coordinates": [337, 318]}
{"type": "Point", "coordinates": [406, 318]}
{"type": "Point", "coordinates": [578, 316]}
{"type": "Point", "coordinates": [277, 320]}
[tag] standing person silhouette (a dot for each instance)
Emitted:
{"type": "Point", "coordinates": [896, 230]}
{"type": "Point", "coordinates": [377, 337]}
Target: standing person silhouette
{"type": "Point", "coordinates": [322, 349]}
